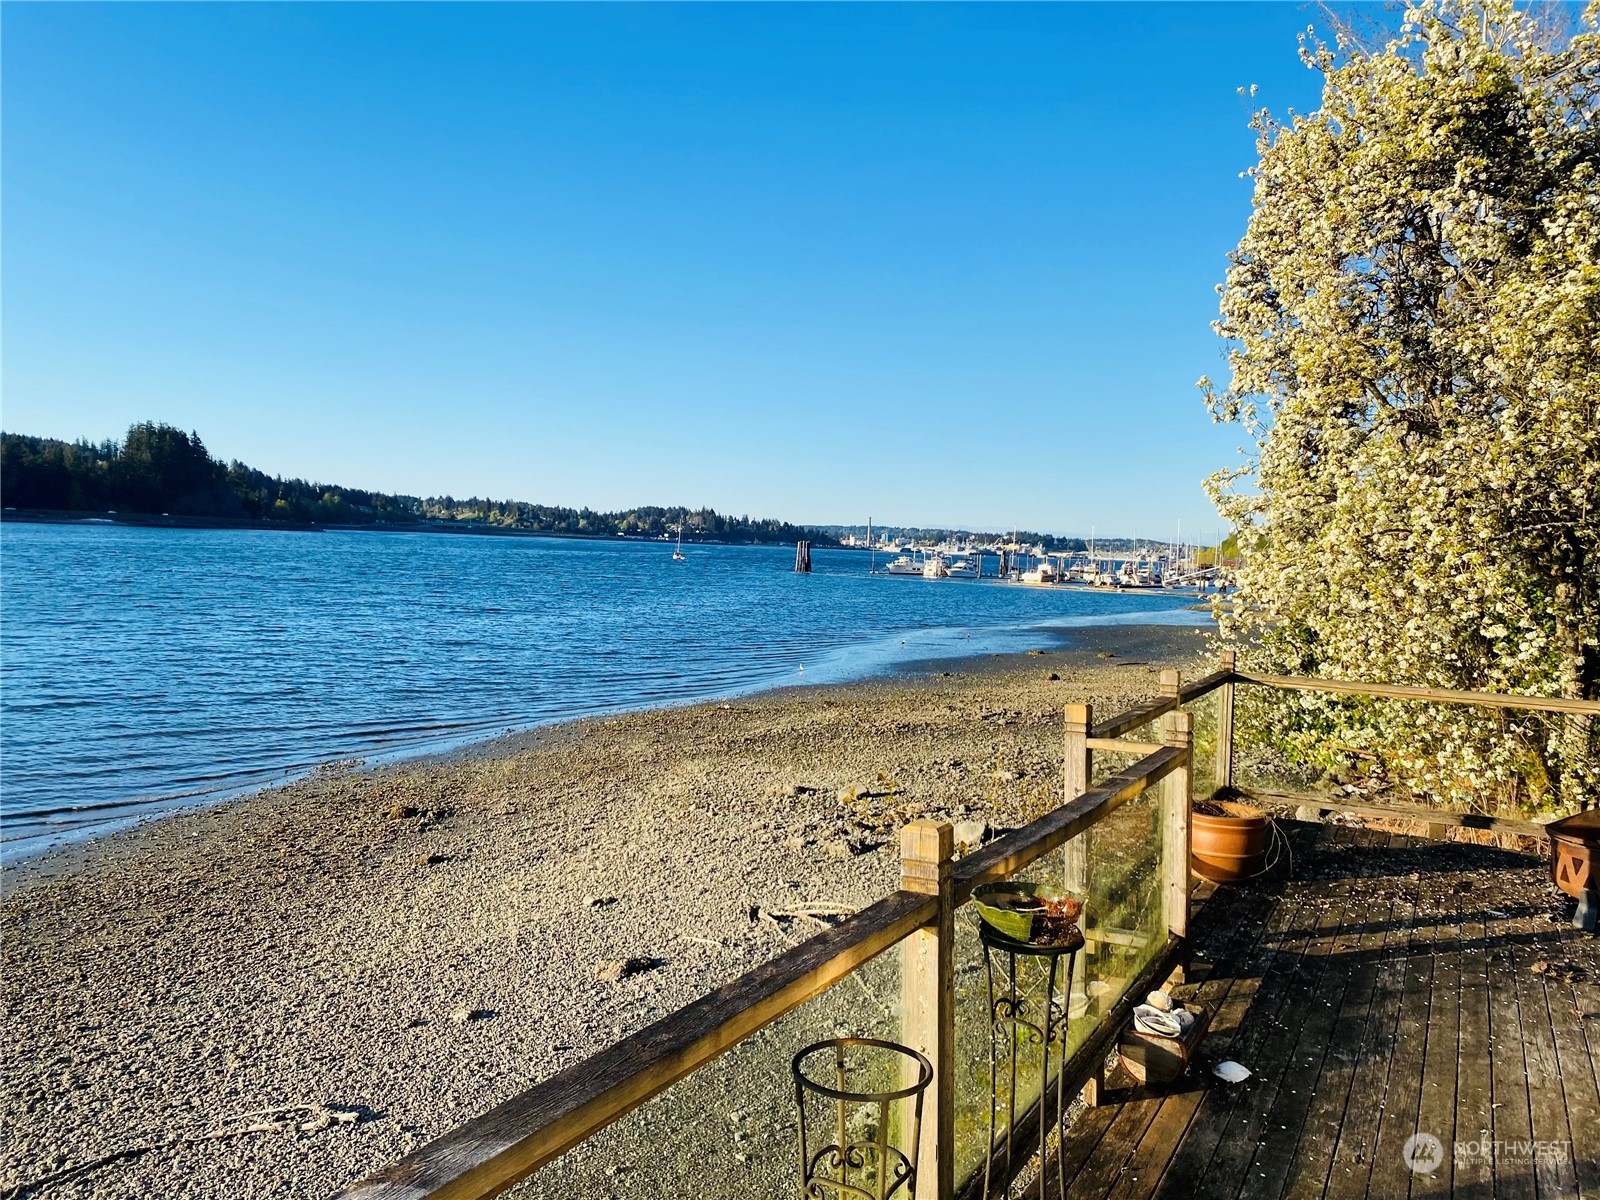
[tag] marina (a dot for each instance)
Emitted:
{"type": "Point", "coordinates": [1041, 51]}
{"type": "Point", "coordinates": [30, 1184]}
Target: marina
{"type": "Point", "coordinates": [1170, 569]}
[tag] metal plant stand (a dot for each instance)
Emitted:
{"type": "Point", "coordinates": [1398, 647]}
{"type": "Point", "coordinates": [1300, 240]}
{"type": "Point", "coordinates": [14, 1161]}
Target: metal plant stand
{"type": "Point", "coordinates": [1013, 1022]}
{"type": "Point", "coordinates": [860, 1163]}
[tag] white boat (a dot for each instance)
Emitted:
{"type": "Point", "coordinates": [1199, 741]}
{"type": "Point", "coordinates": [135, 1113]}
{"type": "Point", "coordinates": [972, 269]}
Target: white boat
{"type": "Point", "coordinates": [677, 555]}
{"type": "Point", "coordinates": [933, 567]}
{"type": "Point", "coordinates": [962, 568]}
{"type": "Point", "coordinates": [1044, 573]}
{"type": "Point", "coordinates": [1141, 574]}
{"type": "Point", "coordinates": [904, 565]}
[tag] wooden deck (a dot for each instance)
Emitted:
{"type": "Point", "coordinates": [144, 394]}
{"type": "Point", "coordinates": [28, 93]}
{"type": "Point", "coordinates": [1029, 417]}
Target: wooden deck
{"type": "Point", "coordinates": [1396, 986]}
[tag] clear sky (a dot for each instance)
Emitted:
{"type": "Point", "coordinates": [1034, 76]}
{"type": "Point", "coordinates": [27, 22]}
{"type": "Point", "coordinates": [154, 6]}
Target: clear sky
{"type": "Point", "coordinates": [939, 265]}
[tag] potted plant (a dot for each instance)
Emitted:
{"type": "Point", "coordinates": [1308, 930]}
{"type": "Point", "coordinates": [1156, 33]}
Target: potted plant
{"type": "Point", "coordinates": [1227, 839]}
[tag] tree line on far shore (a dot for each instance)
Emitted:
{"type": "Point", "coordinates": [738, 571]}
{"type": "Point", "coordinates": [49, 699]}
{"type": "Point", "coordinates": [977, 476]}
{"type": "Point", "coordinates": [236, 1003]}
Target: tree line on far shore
{"type": "Point", "coordinates": [160, 470]}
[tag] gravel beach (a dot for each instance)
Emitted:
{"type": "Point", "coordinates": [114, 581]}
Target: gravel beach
{"type": "Point", "coordinates": [278, 995]}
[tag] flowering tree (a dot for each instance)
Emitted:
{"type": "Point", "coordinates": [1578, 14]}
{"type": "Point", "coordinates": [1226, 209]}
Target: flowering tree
{"type": "Point", "coordinates": [1414, 327]}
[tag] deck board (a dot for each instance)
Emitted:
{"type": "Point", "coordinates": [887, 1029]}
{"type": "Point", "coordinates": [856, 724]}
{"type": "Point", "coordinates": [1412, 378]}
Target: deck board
{"type": "Point", "coordinates": [1441, 1053]}
{"type": "Point", "coordinates": [1474, 1115]}
{"type": "Point", "coordinates": [1395, 986]}
{"type": "Point", "coordinates": [1586, 1012]}
{"type": "Point", "coordinates": [1307, 1029]}
{"type": "Point", "coordinates": [1235, 1170]}
{"type": "Point", "coordinates": [1554, 1176]}
{"type": "Point", "coordinates": [1577, 1077]}
{"type": "Point", "coordinates": [1511, 1117]}
{"type": "Point", "coordinates": [1351, 1167]}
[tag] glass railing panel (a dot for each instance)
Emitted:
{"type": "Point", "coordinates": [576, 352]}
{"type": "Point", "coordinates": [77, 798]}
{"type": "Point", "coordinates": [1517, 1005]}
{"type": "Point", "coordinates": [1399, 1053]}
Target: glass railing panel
{"type": "Point", "coordinates": [729, 1130]}
{"type": "Point", "coordinates": [1117, 866]}
{"type": "Point", "coordinates": [1205, 711]}
{"type": "Point", "coordinates": [1125, 916]}
{"type": "Point", "coordinates": [1106, 763]}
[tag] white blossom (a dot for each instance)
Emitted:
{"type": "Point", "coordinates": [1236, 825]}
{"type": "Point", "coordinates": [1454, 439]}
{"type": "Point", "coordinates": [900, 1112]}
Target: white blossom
{"type": "Point", "coordinates": [1413, 318]}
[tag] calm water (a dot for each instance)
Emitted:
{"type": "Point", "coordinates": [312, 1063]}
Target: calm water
{"type": "Point", "coordinates": [148, 668]}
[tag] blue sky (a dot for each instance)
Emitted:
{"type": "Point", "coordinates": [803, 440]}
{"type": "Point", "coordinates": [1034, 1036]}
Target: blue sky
{"type": "Point", "coordinates": [933, 264]}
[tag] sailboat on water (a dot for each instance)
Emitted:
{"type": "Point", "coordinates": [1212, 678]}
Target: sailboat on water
{"type": "Point", "coordinates": [677, 555]}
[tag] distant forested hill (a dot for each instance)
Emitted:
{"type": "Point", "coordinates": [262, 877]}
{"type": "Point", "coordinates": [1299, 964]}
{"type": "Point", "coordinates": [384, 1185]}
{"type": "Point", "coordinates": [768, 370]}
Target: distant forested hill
{"type": "Point", "coordinates": [160, 470]}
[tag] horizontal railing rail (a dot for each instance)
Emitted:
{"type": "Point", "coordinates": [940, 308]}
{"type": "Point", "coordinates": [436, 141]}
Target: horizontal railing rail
{"type": "Point", "coordinates": [1005, 856]}
{"type": "Point", "coordinates": [1307, 801]}
{"type": "Point", "coordinates": [1397, 691]}
{"type": "Point", "coordinates": [1152, 710]}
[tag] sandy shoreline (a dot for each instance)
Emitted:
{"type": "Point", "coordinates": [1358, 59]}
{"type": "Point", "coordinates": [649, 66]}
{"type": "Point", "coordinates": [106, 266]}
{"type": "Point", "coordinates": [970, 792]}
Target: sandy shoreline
{"type": "Point", "coordinates": [400, 949]}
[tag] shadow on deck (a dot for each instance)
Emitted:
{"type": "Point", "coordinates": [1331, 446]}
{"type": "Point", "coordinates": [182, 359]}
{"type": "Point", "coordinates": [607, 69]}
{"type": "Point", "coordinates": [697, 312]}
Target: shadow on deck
{"type": "Point", "coordinates": [1396, 987]}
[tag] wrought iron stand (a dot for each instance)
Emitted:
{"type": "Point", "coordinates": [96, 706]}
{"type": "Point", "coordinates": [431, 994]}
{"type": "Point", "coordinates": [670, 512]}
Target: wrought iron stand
{"type": "Point", "coordinates": [1013, 1023]}
{"type": "Point", "coordinates": [879, 1169]}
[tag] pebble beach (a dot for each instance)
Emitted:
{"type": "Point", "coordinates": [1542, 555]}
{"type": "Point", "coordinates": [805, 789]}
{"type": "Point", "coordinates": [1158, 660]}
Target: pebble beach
{"type": "Point", "coordinates": [283, 993]}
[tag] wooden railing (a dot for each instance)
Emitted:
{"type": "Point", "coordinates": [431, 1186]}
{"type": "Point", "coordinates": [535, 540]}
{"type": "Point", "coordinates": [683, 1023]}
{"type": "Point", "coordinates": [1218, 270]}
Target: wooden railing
{"type": "Point", "coordinates": [507, 1144]}
{"type": "Point", "coordinates": [1438, 821]}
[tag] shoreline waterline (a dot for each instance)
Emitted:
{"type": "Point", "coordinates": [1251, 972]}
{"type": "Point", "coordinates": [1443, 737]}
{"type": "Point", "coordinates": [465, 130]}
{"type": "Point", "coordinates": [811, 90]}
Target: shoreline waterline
{"type": "Point", "coordinates": [953, 651]}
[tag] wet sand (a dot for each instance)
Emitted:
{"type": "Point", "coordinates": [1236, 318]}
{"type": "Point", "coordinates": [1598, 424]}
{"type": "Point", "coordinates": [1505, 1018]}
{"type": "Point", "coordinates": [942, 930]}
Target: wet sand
{"type": "Point", "coordinates": [280, 994]}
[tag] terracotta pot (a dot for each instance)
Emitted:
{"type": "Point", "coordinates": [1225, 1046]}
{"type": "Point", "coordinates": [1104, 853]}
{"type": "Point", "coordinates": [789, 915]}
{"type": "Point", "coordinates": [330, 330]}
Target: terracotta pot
{"type": "Point", "coordinates": [1229, 848]}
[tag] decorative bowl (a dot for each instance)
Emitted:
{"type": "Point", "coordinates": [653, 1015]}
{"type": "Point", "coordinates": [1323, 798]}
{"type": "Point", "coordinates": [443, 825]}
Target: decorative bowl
{"type": "Point", "coordinates": [1012, 907]}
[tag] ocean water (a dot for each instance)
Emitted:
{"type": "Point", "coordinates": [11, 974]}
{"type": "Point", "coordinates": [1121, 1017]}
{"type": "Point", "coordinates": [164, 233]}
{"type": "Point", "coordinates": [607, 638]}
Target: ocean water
{"type": "Point", "coordinates": [147, 669]}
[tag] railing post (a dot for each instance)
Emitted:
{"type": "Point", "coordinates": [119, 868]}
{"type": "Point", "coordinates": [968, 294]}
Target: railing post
{"type": "Point", "coordinates": [1079, 758]}
{"type": "Point", "coordinates": [1177, 729]}
{"type": "Point", "coordinates": [1077, 774]}
{"type": "Point", "coordinates": [1171, 684]}
{"type": "Point", "coordinates": [928, 995]}
{"type": "Point", "coordinates": [1225, 724]}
